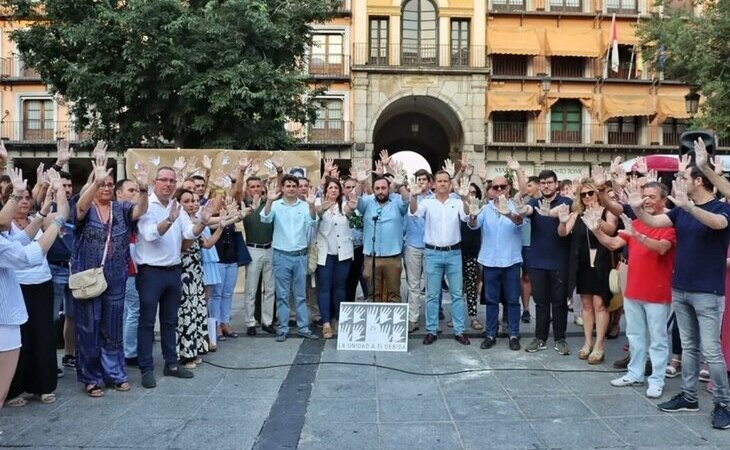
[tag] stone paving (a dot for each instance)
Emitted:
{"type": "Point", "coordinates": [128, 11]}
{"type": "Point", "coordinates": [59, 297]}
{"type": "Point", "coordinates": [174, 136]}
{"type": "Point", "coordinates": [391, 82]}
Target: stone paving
{"type": "Point", "coordinates": [355, 407]}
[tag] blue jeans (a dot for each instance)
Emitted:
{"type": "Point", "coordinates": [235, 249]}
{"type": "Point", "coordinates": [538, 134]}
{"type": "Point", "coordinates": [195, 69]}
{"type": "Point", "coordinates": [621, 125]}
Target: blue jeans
{"type": "Point", "coordinates": [436, 264]}
{"type": "Point", "coordinates": [496, 281]}
{"type": "Point", "coordinates": [290, 275]}
{"type": "Point", "coordinates": [699, 316]}
{"type": "Point", "coordinates": [131, 318]}
{"type": "Point", "coordinates": [641, 316]}
{"type": "Point", "coordinates": [161, 287]}
{"type": "Point", "coordinates": [61, 293]}
{"type": "Point", "coordinates": [221, 299]}
{"type": "Point", "coordinates": [331, 286]}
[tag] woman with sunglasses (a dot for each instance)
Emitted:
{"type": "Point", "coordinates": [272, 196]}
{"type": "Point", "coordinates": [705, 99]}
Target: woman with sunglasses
{"type": "Point", "coordinates": [590, 265]}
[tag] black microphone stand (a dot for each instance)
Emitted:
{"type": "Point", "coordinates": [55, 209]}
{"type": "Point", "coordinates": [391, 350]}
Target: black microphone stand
{"type": "Point", "coordinates": [372, 281]}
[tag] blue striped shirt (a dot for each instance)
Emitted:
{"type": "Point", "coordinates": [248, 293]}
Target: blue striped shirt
{"type": "Point", "coordinates": [18, 253]}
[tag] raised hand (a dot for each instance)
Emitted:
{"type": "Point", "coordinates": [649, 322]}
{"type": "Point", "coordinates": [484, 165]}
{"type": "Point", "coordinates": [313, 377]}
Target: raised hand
{"type": "Point", "coordinates": [270, 168]}
{"type": "Point", "coordinates": [175, 209]}
{"type": "Point", "coordinates": [449, 167]}
{"type": "Point", "coordinates": [328, 165]}
{"type": "Point", "coordinates": [273, 190]}
{"type": "Point", "coordinates": [513, 164]}
{"type": "Point", "coordinates": [207, 162]}
{"type": "Point", "coordinates": [628, 229]}
{"type": "Point", "coordinates": [641, 165]}
{"type": "Point", "coordinates": [16, 179]}
{"type": "Point", "coordinates": [615, 164]}
{"type": "Point", "coordinates": [54, 179]}
{"type": "Point", "coordinates": [652, 175]}
{"type": "Point", "coordinates": [255, 166]}
{"type": "Point", "coordinates": [312, 195]}
{"type": "Point", "coordinates": [141, 174]}
{"type": "Point", "coordinates": [41, 174]}
{"type": "Point", "coordinates": [563, 212]}
{"type": "Point", "coordinates": [379, 168]}
{"type": "Point", "coordinates": [63, 152]}
{"type": "Point", "coordinates": [633, 195]}
{"type": "Point", "coordinates": [244, 162]}
{"type": "Point", "coordinates": [717, 163]}
{"type": "Point", "coordinates": [475, 206]}
{"type": "Point", "coordinates": [100, 149]}
{"type": "Point", "coordinates": [684, 162]}
{"type": "Point", "coordinates": [464, 187]}
{"type": "Point", "coordinates": [502, 205]}
{"type": "Point", "coordinates": [99, 169]}
{"type": "Point", "coordinates": [679, 194]}
{"type": "Point", "coordinates": [278, 159]}
{"type": "Point", "coordinates": [482, 172]}
{"type": "Point", "coordinates": [590, 221]}
{"type": "Point", "coordinates": [701, 156]}
{"type": "Point", "coordinates": [256, 202]}
{"type": "Point", "coordinates": [599, 176]}
{"type": "Point", "coordinates": [520, 206]}
{"type": "Point", "coordinates": [3, 152]}
{"type": "Point", "coordinates": [619, 177]}
{"type": "Point", "coordinates": [179, 164]}
{"type": "Point", "coordinates": [543, 208]}
{"type": "Point", "coordinates": [385, 157]}
{"type": "Point", "coordinates": [399, 178]}
{"type": "Point", "coordinates": [363, 171]}
{"type": "Point", "coordinates": [205, 214]}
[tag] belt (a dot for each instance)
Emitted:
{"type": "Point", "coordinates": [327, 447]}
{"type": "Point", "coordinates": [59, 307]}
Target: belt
{"type": "Point", "coordinates": [456, 246]}
{"type": "Point", "coordinates": [264, 246]}
{"type": "Point", "coordinates": [63, 262]}
{"type": "Point", "coordinates": [301, 252]}
{"type": "Point", "coordinates": [167, 268]}
{"type": "Point", "coordinates": [397, 255]}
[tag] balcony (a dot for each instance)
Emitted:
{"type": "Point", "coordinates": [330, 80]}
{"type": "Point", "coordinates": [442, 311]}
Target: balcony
{"type": "Point", "coordinates": [423, 56]}
{"type": "Point", "coordinates": [577, 7]}
{"type": "Point", "coordinates": [597, 134]}
{"type": "Point", "coordinates": [331, 131]}
{"type": "Point", "coordinates": [39, 132]}
{"type": "Point", "coordinates": [12, 68]}
{"type": "Point", "coordinates": [343, 7]}
{"type": "Point", "coordinates": [330, 66]}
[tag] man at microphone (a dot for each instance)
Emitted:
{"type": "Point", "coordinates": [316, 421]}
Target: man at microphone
{"type": "Point", "coordinates": [383, 217]}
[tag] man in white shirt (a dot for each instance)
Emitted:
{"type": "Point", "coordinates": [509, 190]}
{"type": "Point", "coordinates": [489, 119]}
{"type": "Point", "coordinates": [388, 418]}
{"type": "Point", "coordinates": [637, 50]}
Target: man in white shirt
{"type": "Point", "coordinates": [159, 241]}
{"type": "Point", "coordinates": [442, 237]}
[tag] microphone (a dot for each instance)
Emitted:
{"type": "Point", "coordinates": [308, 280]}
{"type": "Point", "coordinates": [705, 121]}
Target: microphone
{"type": "Point", "coordinates": [376, 217]}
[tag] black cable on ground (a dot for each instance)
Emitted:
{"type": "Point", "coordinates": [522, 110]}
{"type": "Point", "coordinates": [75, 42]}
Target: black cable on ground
{"type": "Point", "coordinates": [410, 372]}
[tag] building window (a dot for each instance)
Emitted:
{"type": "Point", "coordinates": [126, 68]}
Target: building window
{"type": "Point", "coordinates": [378, 52]}
{"type": "Point", "coordinates": [38, 120]}
{"type": "Point", "coordinates": [621, 6]}
{"type": "Point", "coordinates": [460, 42]}
{"type": "Point", "coordinates": [509, 126]}
{"type": "Point", "coordinates": [566, 5]}
{"type": "Point", "coordinates": [508, 5]}
{"type": "Point", "coordinates": [512, 65]}
{"type": "Point", "coordinates": [623, 130]}
{"type": "Point", "coordinates": [567, 66]}
{"type": "Point", "coordinates": [326, 58]}
{"type": "Point", "coordinates": [626, 65]}
{"type": "Point", "coordinates": [329, 126]}
{"type": "Point", "coordinates": [565, 122]}
{"type": "Point", "coordinates": [419, 34]}
{"type": "Point", "coordinates": [672, 129]}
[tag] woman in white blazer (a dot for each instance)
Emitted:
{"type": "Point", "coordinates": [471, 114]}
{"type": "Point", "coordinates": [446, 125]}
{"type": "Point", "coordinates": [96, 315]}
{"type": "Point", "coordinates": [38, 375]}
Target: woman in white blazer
{"type": "Point", "coordinates": [334, 253]}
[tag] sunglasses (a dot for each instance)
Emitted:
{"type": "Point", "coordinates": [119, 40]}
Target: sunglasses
{"type": "Point", "coordinates": [499, 187]}
{"type": "Point", "coordinates": [587, 194]}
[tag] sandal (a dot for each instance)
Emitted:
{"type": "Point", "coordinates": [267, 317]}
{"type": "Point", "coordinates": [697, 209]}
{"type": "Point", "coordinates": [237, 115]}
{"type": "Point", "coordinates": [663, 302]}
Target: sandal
{"type": "Point", "coordinates": [47, 399]}
{"type": "Point", "coordinates": [16, 402]}
{"type": "Point", "coordinates": [476, 324]}
{"type": "Point", "coordinates": [674, 368]}
{"type": "Point", "coordinates": [585, 351]}
{"type": "Point", "coordinates": [230, 334]}
{"type": "Point", "coordinates": [596, 357]}
{"type": "Point", "coordinates": [121, 387]}
{"type": "Point", "coordinates": [94, 390]}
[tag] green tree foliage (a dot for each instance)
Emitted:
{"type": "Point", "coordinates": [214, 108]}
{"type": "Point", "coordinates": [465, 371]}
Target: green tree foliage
{"type": "Point", "coordinates": [195, 73]}
{"type": "Point", "coordinates": [695, 50]}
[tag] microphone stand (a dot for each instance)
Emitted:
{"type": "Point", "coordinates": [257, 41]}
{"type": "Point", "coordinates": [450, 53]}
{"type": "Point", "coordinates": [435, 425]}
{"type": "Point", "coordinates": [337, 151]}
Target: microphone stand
{"type": "Point", "coordinates": [372, 281]}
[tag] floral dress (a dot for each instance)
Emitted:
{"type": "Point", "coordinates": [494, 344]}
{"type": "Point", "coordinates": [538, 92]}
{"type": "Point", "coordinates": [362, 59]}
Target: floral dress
{"type": "Point", "coordinates": [192, 323]}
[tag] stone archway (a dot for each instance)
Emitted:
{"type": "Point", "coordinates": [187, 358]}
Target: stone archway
{"type": "Point", "coordinates": [419, 123]}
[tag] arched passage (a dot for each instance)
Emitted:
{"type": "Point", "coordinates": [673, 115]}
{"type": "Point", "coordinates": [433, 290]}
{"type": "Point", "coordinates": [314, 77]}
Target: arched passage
{"type": "Point", "coordinates": [422, 124]}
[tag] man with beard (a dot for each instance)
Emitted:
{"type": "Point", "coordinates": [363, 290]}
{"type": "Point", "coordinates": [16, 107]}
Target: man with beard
{"type": "Point", "coordinates": [547, 265]}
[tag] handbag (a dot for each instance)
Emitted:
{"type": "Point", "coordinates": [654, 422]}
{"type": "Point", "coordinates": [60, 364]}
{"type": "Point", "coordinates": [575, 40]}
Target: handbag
{"type": "Point", "coordinates": [244, 257]}
{"type": "Point", "coordinates": [91, 283]}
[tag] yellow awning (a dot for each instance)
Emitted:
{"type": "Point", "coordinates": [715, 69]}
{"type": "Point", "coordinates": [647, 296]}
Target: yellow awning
{"type": "Point", "coordinates": [512, 41]}
{"type": "Point", "coordinates": [671, 106]}
{"type": "Point", "coordinates": [562, 42]}
{"type": "Point", "coordinates": [626, 105]}
{"type": "Point", "coordinates": [584, 98]}
{"type": "Point", "coordinates": [511, 101]}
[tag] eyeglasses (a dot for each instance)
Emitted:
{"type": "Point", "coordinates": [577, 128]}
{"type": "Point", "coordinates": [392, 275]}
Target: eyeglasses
{"type": "Point", "coordinates": [167, 180]}
{"type": "Point", "coordinates": [499, 187]}
{"type": "Point", "coordinates": [107, 185]}
{"type": "Point", "coordinates": [587, 194]}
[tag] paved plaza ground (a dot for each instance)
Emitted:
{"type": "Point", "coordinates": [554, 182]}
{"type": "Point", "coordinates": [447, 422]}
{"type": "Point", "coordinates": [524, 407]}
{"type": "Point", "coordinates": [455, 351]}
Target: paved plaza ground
{"type": "Point", "coordinates": [327, 405]}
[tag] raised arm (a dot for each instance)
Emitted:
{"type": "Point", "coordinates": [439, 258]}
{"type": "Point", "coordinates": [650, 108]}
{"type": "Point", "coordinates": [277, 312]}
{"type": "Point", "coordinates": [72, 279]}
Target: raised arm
{"type": "Point", "coordinates": [702, 161]}
{"type": "Point", "coordinates": [100, 173]}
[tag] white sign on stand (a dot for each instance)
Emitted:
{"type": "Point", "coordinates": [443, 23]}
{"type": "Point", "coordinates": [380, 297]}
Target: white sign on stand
{"type": "Point", "coordinates": [380, 327]}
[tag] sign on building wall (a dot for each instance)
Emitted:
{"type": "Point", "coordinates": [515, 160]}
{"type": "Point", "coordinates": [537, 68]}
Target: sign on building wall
{"type": "Point", "coordinates": [568, 171]}
{"type": "Point", "coordinates": [373, 327]}
{"type": "Point", "coordinates": [495, 169]}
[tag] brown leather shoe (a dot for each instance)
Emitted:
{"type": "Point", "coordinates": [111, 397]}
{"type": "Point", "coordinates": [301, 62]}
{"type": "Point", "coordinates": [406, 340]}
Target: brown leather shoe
{"type": "Point", "coordinates": [429, 339]}
{"type": "Point", "coordinates": [461, 339]}
{"type": "Point", "coordinates": [622, 363]}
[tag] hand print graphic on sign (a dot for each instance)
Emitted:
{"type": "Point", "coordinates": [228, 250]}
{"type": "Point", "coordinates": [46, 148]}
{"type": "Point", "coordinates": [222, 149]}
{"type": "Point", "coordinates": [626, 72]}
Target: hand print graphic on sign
{"type": "Point", "coordinates": [373, 327]}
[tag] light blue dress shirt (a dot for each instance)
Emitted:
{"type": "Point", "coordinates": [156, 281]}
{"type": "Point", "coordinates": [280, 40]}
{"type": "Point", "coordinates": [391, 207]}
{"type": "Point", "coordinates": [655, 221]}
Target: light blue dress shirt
{"type": "Point", "coordinates": [15, 254]}
{"type": "Point", "coordinates": [415, 226]}
{"type": "Point", "coordinates": [501, 238]}
{"type": "Point", "coordinates": [292, 224]}
{"type": "Point", "coordinates": [389, 239]}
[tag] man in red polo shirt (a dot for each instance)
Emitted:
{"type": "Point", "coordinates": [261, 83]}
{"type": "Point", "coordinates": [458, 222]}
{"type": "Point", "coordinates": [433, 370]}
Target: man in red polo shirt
{"type": "Point", "coordinates": [648, 290]}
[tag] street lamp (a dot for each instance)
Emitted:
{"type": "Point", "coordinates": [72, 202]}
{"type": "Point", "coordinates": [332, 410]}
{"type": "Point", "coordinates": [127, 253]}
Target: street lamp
{"type": "Point", "coordinates": [545, 84]}
{"type": "Point", "coordinates": [692, 101]}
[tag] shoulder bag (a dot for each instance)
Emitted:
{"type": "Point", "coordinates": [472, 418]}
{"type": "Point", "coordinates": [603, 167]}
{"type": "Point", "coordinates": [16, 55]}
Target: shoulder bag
{"type": "Point", "coordinates": [91, 283]}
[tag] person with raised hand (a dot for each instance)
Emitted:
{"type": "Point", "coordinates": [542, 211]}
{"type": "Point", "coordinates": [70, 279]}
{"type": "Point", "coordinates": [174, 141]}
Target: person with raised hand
{"type": "Point", "coordinates": [501, 256]}
{"type": "Point", "coordinates": [161, 231]}
{"type": "Point", "coordinates": [698, 284]}
{"type": "Point", "coordinates": [24, 321]}
{"type": "Point", "coordinates": [547, 265]}
{"type": "Point", "coordinates": [589, 267]}
{"type": "Point", "coordinates": [292, 218]}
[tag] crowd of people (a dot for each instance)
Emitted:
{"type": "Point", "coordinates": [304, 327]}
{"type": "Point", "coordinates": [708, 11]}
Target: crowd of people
{"type": "Point", "coordinates": [170, 245]}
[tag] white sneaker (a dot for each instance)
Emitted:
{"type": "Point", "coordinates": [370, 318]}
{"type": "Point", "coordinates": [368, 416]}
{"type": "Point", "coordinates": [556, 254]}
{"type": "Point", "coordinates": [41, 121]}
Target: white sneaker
{"type": "Point", "coordinates": [654, 391]}
{"type": "Point", "coordinates": [624, 381]}
{"type": "Point", "coordinates": [578, 321]}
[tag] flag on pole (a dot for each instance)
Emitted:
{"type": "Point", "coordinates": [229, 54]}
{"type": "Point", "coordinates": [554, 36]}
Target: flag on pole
{"type": "Point", "coordinates": [613, 39]}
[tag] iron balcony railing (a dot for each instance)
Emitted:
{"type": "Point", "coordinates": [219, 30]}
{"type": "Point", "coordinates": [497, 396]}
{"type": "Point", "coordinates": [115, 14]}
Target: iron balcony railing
{"type": "Point", "coordinates": [609, 133]}
{"type": "Point", "coordinates": [625, 7]}
{"type": "Point", "coordinates": [39, 131]}
{"type": "Point", "coordinates": [329, 131]}
{"type": "Point", "coordinates": [13, 68]}
{"type": "Point", "coordinates": [423, 55]}
{"type": "Point", "coordinates": [332, 65]}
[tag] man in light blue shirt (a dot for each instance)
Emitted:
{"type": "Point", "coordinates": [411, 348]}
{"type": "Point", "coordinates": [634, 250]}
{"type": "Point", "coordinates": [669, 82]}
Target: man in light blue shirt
{"type": "Point", "coordinates": [386, 213]}
{"type": "Point", "coordinates": [501, 256]}
{"type": "Point", "coordinates": [292, 219]}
